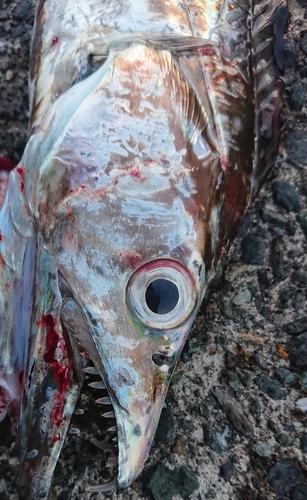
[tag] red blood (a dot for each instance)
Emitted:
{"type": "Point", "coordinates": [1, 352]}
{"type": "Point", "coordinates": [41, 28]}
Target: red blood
{"type": "Point", "coordinates": [208, 51]}
{"type": "Point", "coordinates": [56, 438]}
{"type": "Point", "coordinates": [6, 164]}
{"type": "Point", "coordinates": [21, 172]}
{"type": "Point", "coordinates": [62, 372]}
{"type": "Point", "coordinates": [55, 41]}
{"type": "Point", "coordinates": [224, 163]}
{"type": "Point", "coordinates": [133, 259]}
{"type": "Point", "coordinates": [1, 236]}
{"type": "Point", "coordinates": [135, 172]}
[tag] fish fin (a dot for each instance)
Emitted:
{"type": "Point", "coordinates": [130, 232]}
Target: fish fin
{"type": "Point", "coordinates": [269, 22]}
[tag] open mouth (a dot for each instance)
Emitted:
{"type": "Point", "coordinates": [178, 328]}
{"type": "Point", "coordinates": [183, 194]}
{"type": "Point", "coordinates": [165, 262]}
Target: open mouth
{"type": "Point", "coordinates": [93, 391]}
{"type": "Point", "coordinates": [108, 435]}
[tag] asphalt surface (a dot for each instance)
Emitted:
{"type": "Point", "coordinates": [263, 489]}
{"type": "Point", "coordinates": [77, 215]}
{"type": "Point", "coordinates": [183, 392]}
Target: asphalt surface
{"type": "Point", "coordinates": [234, 425]}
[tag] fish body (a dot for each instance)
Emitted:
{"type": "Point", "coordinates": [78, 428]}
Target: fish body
{"type": "Point", "coordinates": [153, 126]}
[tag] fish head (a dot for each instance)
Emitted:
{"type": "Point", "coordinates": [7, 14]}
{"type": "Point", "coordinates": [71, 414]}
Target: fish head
{"type": "Point", "coordinates": [132, 261]}
{"type": "Point", "coordinates": [119, 204]}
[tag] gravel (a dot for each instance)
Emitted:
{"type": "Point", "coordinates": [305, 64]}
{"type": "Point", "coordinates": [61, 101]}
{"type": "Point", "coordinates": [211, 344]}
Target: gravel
{"type": "Point", "coordinates": [246, 362]}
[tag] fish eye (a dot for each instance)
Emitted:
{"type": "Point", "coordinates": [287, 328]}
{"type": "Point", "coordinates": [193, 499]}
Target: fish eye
{"type": "Point", "coordinates": [161, 294]}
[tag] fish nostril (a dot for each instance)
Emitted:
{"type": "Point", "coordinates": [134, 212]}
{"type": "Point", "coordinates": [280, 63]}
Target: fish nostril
{"type": "Point", "coordinates": [161, 359]}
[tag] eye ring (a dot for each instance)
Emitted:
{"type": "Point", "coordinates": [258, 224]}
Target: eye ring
{"type": "Point", "coordinates": [178, 294]}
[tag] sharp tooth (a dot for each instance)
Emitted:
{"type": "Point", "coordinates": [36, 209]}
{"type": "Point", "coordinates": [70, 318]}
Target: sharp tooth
{"type": "Point", "coordinates": [112, 462]}
{"type": "Point", "coordinates": [97, 385]}
{"type": "Point", "coordinates": [104, 401]}
{"type": "Point", "coordinates": [112, 429]}
{"type": "Point", "coordinates": [110, 485]}
{"type": "Point", "coordinates": [109, 414]}
{"type": "Point", "coordinates": [115, 439]}
{"type": "Point", "coordinates": [74, 430]}
{"type": "Point", "coordinates": [91, 370]}
{"type": "Point", "coordinates": [79, 411]}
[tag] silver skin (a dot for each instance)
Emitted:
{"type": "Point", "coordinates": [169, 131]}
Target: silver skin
{"type": "Point", "coordinates": [152, 128]}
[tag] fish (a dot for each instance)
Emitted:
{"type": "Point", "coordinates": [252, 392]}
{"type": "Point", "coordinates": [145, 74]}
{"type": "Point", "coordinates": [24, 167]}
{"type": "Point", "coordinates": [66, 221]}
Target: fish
{"type": "Point", "coordinates": [153, 126]}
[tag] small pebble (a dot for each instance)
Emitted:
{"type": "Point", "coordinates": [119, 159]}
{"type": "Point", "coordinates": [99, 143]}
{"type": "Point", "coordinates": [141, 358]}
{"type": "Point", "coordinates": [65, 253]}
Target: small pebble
{"type": "Point", "coordinates": [284, 439]}
{"type": "Point", "coordinates": [271, 387]}
{"type": "Point", "coordinates": [9, 75]}
{"type": "Point", "coordinates": [242, 297]}
{"type": "Point", "coordinates": [227, 470]}
{"type": "Point", "coordinates": [285, 376]}
{"type": "Point", "coordinates": [302, 219]}
{"type": "Point", "coordinates": [262, 449]}
{"type": "Point", "coordinates": [303, 381]}
{"type": "Point", "coordinates": [285, 195]}
{"type": "Point", "coordinates": [303, 442]}
{"type": "Point", "coordinates": [21, 10]}
{"type": "Point", "coordinates": [252, 250]}
{"type": "Point", "coordinates": [296, 147]}
{"type": "Point", "coordinates": [282, 476]}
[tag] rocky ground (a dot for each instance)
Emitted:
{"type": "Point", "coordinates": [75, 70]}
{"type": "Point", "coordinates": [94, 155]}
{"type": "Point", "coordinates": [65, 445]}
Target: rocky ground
{"type": "Point", "coordinates": [235, 420]}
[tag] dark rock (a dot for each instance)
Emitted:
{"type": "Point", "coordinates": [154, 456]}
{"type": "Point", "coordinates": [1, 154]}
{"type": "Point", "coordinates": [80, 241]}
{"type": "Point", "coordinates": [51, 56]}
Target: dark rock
{"type": "Point", "coordinates": [271, 387]}
{"type": "Point", "coordinates": [273, 217]}
{"type": "Point", "coordinates": [286, 293]}
{"type": "Point", "coordinates": [284, 439]}
{"type": "Point", "coordinates": [252, 250]}
{"type": "Point", "coordinates": [291, 63]}
{"type": "Point", "coordinates": [255, 407]}
{"type": "Point", "coordinates": [186, 356]}
{"type": "Point", "coordinates": [291, 228]}
{"type": "Point", "coordinates": [234, 411]}
{"type": "Point", "coordinates": [284, 195]}
{"type": "Point", "coordinates": [302, 219]}
{"type": "Point", "coordinates": [3, 15]}
{"type": "Point", "coordinates": [245, 376]}
{"type": "Point", "coordinates": [166, 427]}
{"type": "Point", "coordinates": [297, 349]}
{"type": "Point", "coordinates": [227, 470]}
{"type": "Point", "coordinates": [285, 376]}
{"type": "Point", "coordinates": [303, 72]}
{"type": "Point", "coordinates": [218, 441]}
{"type": "Point", "coordinates": [298, 95]}
{"type": "Point", "coordinates": [22, 10]}
{"type": "Point", "coordinates": [164, 483]}
{"type": "Point", "coordinates": [303, 442]}
{"type": "Point", "coordinates": [233, 381]}
{"type": "Point", "coordinates": [296, 148]}
{"type": "Point", "coordinates": [303, 381]}
{"type": "Point", "coordinates": [300, 277]}
{"type": "Point", "coordinates": [299, 492]}
{"type": "Point", "coordinates": [265, 312]}
{"type": "Point", "coordinates": [243, 228]}
{"type": "Point", "coordinates": [298, 301]}
{"type": "Point", "coordinates": [303, 44]}
{"type": "Point", "coordinates": [297, 326]}
{"type": "Point", "coordinates": [263, 277]}
{"type": "Point", "coordinates": [282, 477]}
{"type": "Point", "coordinates": [277, 259]}
{"type": "Point", "coordinates": [18, 31]}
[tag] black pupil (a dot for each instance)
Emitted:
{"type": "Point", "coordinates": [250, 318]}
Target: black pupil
{"type": "Point", "coordinates": [162, 296]}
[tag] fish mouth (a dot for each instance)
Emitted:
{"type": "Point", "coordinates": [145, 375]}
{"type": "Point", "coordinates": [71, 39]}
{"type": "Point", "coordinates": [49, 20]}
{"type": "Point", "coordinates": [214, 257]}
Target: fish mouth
{"type": "Point", "coordinates": [131, 423]}
{"type": "Point", "coordinates": [94, 385]}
